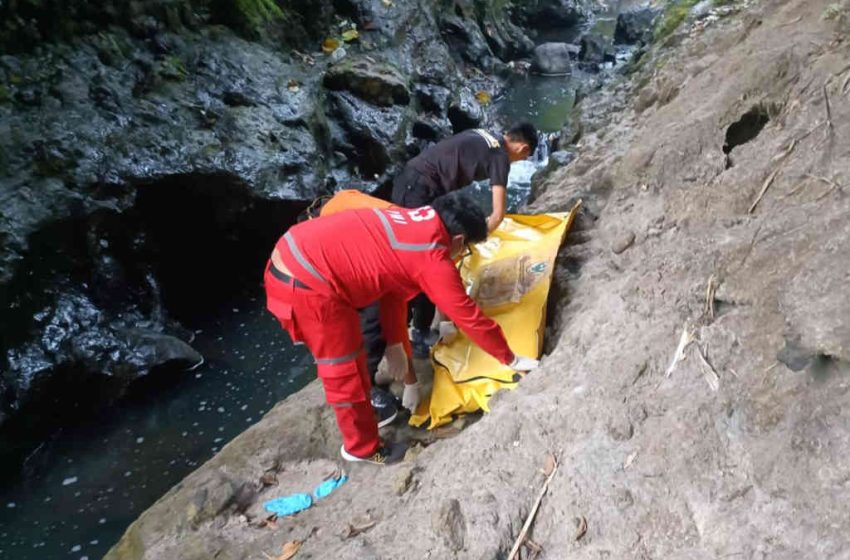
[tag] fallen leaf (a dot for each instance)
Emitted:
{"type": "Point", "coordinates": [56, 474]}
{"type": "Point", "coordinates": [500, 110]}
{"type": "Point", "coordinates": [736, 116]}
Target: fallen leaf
{"type": "Point", "coordinates": [270, 478]}
{"type": "Point", "coordinates": [350, 35]}
{"type": "Point", "coordinates": [288, 551]}
{"type": "Point", "coordinates": [329, 45]}
{"type": "Point", "coordinates": [483, 97]}
{"type": "Point", "coordinates": [549, 465]}
{"type": "Point", "coordinates": [293, 86]}
{"type": "Point", "coordinates": [582, 528]}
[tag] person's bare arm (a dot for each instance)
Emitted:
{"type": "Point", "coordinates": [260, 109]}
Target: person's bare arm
{"type": "Point", "coordinates": [500, 195]}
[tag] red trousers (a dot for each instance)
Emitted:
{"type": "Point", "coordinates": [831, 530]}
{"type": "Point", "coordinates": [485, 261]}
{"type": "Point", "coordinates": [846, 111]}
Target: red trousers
{"type": "Point", "coordinates": [330, 328]}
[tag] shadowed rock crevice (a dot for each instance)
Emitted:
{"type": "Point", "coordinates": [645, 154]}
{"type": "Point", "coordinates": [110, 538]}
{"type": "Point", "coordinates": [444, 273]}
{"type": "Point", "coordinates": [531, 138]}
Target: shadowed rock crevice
{"type": "Point", "coordinates": [107, 298]}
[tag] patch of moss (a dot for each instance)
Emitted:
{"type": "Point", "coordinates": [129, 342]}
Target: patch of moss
{"type": "Point", "coordinates": [172, 68]}
{"type": "Point", "coordinates": [673, 16]}
{"type": "Point", "coordinates": [839, 14]}
{"type": "Point", "coordinates": [5, 96]}
{"type": "Point", "coordinates": [248, 16]}
{"type": "Point", "coordinates": [258, 12]}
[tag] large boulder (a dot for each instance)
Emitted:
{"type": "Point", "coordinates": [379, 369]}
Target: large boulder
{"type": "Point", "coordinates": [635, 25]}
{"type": "Point", "coordinates": [378, 83]}
{"type": "Point", "coordinates": [595, 49]}
{"type": "Point", "coordinates": [554, 58]}
{"type": "Point", "coordinates": [554, 13]}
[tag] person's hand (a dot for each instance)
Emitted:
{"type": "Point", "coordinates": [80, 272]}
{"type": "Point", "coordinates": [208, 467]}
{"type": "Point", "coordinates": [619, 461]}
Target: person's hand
{"type": "Point", "coordinates": [522, 363]}
{"type": "Point", "coordinates": [448, 330]}
{"type": "Point", "coordinates": [396, 361]}
{"type": "Point", "coordinates": [411, 397]}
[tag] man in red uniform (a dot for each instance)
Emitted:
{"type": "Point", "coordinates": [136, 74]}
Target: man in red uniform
{"type": "Point", "coordinates": [322, 271]}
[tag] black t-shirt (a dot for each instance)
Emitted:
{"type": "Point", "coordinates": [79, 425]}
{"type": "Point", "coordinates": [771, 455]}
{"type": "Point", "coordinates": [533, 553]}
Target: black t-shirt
{"type": "Point", "coordinates": [472, 155]}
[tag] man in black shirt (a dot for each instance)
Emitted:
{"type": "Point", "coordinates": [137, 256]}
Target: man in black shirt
{"type": "Point", "coordinates": [472, 155]}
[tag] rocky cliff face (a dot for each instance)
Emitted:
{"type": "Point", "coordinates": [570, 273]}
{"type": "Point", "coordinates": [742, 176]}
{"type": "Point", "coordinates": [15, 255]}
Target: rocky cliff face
{"type": "Point", "coordinates": [134, 133]}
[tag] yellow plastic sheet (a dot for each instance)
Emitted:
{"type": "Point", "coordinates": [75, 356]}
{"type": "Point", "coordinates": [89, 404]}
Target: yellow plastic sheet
{"type": "Point", "coordinates": [509, 275]}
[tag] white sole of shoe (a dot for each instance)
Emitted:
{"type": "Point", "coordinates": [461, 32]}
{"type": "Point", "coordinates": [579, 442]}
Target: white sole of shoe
{"type": "Point", "coordinates": [387, 421]}
{"type": "Point", "coordinates": [349, 457]}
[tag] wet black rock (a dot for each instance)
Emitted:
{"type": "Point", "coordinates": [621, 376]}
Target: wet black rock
{"type": "Point", "coordinates": [73, 330]}
{"type": "Point", "coordinates": [596, 49]}
{"type": "Point", "coordinates": [635, 25]}
{"type": "Point", "coordinates": [465, 112]}
{"type": "Point", "coordinates": [465, 37]}
{"type": "Point", "coordinates": [377, 83]}
{"type": "Point", "coordinates": [554, 13]}
{"type": "Point", "coordinates": [433, 98]}
{"type": "Point", "coordinates": [365, 134]}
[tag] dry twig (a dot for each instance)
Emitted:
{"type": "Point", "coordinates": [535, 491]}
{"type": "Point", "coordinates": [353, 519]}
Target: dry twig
{"type": "Point", "coordinates": [354, 530]}
{"type": "Point", "coordinates": [686, 338]}
{"type": "Point", "coordinates": [530, 519]}
{"type": "Point", "coordinates": [709, 372]}
{"type": "Point", "coordinates": [764, 187]}
{"type": "Point", "coordinates": [832, 184]}
{"type": "Point", "coordinates": [829, 126]}
{"type": "Point", "coordinates": [710, 290]}
{"type": "Point", "coordinates": [778, 158]}
{"type": "Point", "coordinates": [535, 549]}
{"type": "Point", "coordinates": [581, 530]}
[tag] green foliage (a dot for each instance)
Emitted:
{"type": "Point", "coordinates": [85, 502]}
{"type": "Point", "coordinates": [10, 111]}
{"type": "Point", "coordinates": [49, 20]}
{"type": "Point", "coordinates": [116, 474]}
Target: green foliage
{"type": "Point", "coordinates": [839, 13]}
{"type": "Point", "coordinates": [259, 11]}
{"type": "Point", "coordinates": [674, 15]}
{"type": "Point", "coordinates": [172, 68]}
{"type": "Point", "coordinates": [5, 96]}
{"type": "Point", "coordinates": [247, 16]}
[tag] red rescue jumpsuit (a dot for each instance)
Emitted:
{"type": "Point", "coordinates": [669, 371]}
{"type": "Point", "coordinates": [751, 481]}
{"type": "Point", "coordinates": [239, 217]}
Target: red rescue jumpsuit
{"type": "Point", "coordinates": [348, 261]}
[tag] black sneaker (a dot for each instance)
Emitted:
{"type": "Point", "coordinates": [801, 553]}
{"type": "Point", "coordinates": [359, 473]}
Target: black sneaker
{"type": "Point", "coordinates": [385, 455]}
{"type": "Point", "coordinates": [385, 406]}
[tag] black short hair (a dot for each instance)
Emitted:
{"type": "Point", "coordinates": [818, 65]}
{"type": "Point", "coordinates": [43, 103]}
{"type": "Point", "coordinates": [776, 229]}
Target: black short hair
{"type": "Point", "coordinates": [524, 131]}
{"type": "Point", "coordinates": [461, 215]}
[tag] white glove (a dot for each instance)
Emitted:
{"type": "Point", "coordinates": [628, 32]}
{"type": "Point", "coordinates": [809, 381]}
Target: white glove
{"type": "Point", "coordinates": [447, 330]}
{"type": "Point", "coordinates": [396, 361]}
{"type": "Point", "coordinates": [521, 363]}
{"type": "Point", "coordinates": [410, 397]}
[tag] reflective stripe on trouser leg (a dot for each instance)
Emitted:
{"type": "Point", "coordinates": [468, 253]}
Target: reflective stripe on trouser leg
{"type": "Point", "coordinates": [331, 330]}
{"type": "Point", "coordinates": [348, 394]}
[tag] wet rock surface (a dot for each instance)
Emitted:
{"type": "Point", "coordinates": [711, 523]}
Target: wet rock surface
{"type": "Point", "coordinates": [595, 49]}
{"type": "Point", "coordinates": [635, 25]}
